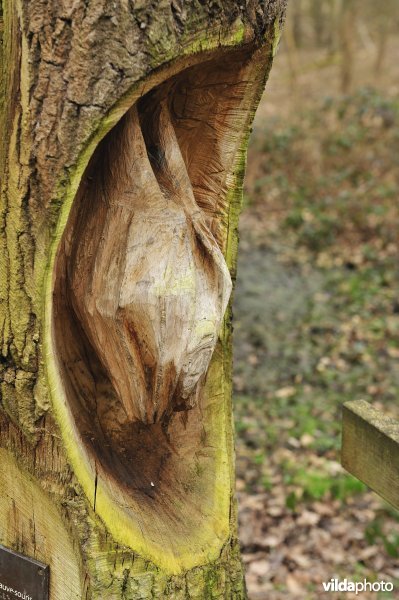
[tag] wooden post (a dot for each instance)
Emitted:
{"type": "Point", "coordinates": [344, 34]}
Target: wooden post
{"type": "Point", "coordinates": [370, 448]}
{"type": "Point", "coordinates": [124, 129]}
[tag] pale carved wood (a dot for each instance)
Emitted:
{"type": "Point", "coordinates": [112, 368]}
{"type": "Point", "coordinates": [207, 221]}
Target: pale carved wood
{"type": "Point", "coordinates": [148, 281]}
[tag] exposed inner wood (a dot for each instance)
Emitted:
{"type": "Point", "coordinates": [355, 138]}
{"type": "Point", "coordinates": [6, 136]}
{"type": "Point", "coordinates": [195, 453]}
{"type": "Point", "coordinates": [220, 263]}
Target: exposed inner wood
{"type": "Point", "coordinates": [141, 287]}
{"type": "Point", "coordinates": [147, 280]}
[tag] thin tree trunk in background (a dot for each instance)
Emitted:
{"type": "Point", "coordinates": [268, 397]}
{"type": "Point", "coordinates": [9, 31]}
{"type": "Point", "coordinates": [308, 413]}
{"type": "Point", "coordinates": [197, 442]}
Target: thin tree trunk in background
{"type": "Point", "coordinates": [382, 45]}
{"type": "Point", "coordinates": [121, 497]}
{"type": "Point", "coordinates": [317, 12]}
{"type": "Point", "coordinates": [333, 30]}
{"type": "Point", "coordinates": [296, 8]}
{"type": "Point", "coordinates": [381, 52]}
{"type": "Point", "coordinates": [348, 16]}
{"type": "Point", "coordinates": [291, 48]}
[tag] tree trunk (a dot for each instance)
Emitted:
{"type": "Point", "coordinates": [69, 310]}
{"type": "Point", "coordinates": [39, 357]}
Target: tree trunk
{"type": "Point", "coordinates": [297, 11]}
{"type": "Point", "coordinates": [291, 49]}
{"type": "Point", "coordinates": [122, 158]}
{"type": "Point", "coordinates": [348, 17]}
{"type": "Point", "coordinates": [318, 18]}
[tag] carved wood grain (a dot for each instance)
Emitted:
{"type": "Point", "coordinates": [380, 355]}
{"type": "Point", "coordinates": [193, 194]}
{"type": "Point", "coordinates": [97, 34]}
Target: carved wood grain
{"type": "Point", "coordinates": [148, 282]}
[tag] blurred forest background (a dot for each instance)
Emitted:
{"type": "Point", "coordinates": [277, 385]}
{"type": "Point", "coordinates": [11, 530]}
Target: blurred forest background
{"type": "Point", "coordinates": [317, 300]}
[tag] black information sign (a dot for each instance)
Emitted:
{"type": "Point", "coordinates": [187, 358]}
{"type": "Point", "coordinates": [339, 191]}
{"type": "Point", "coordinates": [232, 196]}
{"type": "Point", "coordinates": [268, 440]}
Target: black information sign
{"type": "Point", "coordinates": [22, 577]}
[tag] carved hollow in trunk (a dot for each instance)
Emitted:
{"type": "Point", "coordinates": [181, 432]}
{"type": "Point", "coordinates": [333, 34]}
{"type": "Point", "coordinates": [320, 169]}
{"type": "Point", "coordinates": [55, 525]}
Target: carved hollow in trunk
{"type": "Point", "coordinates": [140, 289]}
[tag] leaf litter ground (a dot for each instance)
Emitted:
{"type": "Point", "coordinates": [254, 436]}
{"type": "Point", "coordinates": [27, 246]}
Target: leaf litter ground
{"type": "Point", "coordinates": [316, 315]}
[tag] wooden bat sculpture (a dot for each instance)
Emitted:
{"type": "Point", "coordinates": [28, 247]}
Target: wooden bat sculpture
{"type": "Point", "coordinates": [152, 292]}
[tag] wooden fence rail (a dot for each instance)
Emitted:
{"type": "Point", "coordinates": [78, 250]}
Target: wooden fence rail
{"type": "Point", "coordinates": [370, 448]}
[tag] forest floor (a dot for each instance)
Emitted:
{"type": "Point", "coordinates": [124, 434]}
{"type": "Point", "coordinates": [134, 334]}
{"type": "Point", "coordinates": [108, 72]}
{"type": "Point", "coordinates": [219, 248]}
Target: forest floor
{"type": "Point", "coordinates": [316, 315]}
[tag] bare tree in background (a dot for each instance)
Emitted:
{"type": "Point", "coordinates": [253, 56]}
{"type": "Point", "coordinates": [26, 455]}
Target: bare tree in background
{"type": "Point", "coordinates": [347, 17]}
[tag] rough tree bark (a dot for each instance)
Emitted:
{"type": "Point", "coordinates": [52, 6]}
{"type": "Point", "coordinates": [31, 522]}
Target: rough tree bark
{"type": "Point", "coordinates": [112, 112]}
